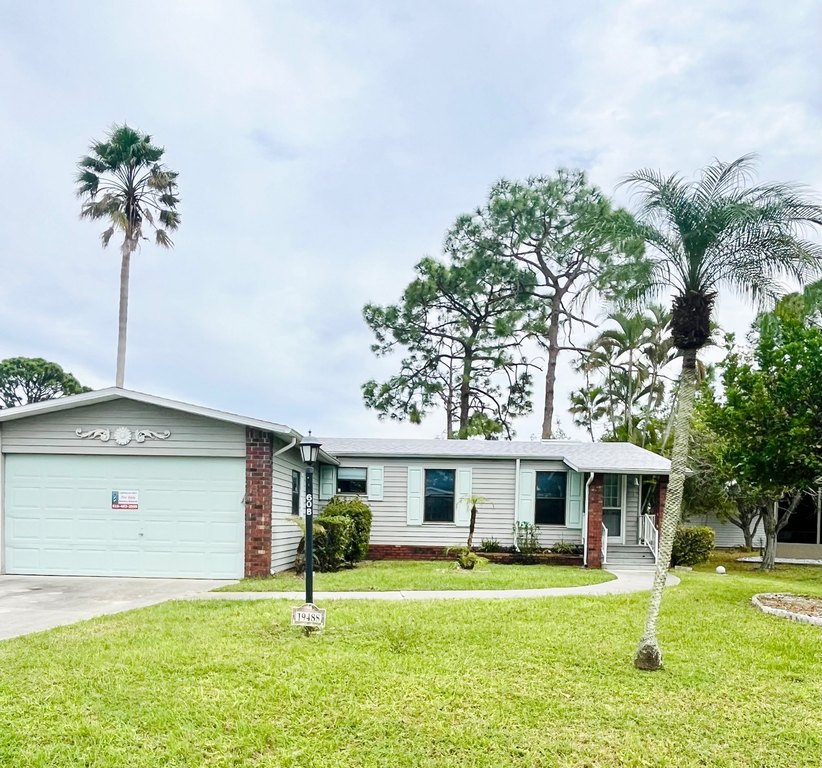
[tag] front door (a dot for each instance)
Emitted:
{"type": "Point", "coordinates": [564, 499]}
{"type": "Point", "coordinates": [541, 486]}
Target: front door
{"type": "Point", "coordinates": [613, 507]}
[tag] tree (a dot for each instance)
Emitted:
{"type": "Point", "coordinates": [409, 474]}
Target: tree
{"type": "Point", "coordinates": [720, 231]}
{"type": "Point", "coordinates": [627, 362]}
{"type": "Point", "coordinates": [124, 182]}
{"type": "Point", "coordinates": [31, 379]}
{"type": "Point", "coordinates": [771, 419]}
{"type": "Point", "coordinates": [714, 486]}
{"type": "Point", "coordinates": [566, 233]}
{"type": "Point", "coordinates": [462, 325]}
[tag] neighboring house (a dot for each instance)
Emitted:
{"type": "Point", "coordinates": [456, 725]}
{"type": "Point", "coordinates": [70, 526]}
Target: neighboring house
{"type": "Point", "coordinates": [121, 483]}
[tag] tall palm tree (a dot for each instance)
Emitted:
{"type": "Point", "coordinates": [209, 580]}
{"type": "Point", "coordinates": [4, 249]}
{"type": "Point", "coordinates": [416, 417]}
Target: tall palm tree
{"type": "Point", "coordinates": [720, 231]}
{"type": "Point", "coordinates": [123, 181]}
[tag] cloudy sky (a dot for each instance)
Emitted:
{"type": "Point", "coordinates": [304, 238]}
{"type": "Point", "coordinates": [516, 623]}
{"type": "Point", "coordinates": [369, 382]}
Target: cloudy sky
{"type": "Point", "coordinates": [324, 147]}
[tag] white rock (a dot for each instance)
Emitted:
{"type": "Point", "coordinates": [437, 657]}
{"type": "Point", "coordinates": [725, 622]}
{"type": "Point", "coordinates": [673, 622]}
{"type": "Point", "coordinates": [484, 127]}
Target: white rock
{"type": "Point", "coordinates": [720, 569]}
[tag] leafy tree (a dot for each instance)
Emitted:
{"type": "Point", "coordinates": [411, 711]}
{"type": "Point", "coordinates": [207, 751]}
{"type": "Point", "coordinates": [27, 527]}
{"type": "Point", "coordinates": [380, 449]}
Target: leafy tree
{"type": "Point", "coordinates": [31, 379]}
{"type": "Point", "coordinates": [124, 182]}
{"type": "Point", "coordinates": [566, 233]}
{"type": "Point", "coordinates": [462, 326]}
{"type": "Point", "coordinates": [771, 419]}
{"type": "Point", "coordinates": [720, 231]}
{"type": "Point", "coordinates": [714, 485]}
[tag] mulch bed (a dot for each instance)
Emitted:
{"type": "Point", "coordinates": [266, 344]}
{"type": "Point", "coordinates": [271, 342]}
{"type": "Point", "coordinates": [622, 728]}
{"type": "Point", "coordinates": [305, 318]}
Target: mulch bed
{"type": "Point", "coordinates": [806, 606]}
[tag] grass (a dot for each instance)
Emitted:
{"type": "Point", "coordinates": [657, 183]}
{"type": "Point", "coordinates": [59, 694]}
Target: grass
{"type": "Point", "coordinates": [529, 683]}
{"type": "Point", "coordinates": [390, 576]}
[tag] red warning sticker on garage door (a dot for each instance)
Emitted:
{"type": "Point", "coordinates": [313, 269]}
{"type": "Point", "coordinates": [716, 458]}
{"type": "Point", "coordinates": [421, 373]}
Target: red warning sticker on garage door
{"type": "Point", "coordinates": [125, 500]}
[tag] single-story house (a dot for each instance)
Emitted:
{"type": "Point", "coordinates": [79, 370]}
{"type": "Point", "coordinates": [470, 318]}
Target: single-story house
{"type": "Point", "coordinates": [120, 483]}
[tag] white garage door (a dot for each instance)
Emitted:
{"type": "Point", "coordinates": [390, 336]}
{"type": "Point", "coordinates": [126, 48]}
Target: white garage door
{"type": "Point", "coordinates": [60, 518]}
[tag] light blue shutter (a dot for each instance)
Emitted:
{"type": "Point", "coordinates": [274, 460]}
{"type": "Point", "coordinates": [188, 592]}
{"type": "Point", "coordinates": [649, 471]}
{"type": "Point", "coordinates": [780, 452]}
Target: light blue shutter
{"type": "Point", "coordinates": [527, 489]}
{"type": "Point", "coordinates": [462, 491]}
{"type": "Point", "coordinates": [376, 477]}
{"type": "Point", "coordinates": [573, 500]}
{"type": "Point", "coordinates": [327, 485]}
{"type": "Point", "coordinates": [414, 509]}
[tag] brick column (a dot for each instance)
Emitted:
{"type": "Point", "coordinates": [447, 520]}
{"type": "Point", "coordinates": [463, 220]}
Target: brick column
{"type": "Point", "coordinates": [595, 491]}
{"type": "Point", "coordinates": [662, 493]}
{"type": "Point", "coordinates": [258, 468]}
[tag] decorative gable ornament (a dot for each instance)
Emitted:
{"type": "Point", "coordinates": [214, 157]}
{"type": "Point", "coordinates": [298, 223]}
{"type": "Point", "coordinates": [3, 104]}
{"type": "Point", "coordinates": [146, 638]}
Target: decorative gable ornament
{"type": "Point", "coordinates": [122, 435]}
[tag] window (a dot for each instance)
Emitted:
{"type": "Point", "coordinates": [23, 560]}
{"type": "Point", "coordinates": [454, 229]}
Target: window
{"type": "Point", "coordinates": [296, 479]}
{"type": "Point", "coordinates": [549, 508]}
{"type": "Point", "coordinates": [439, 495]}
{"type": "Point", "coordinates": [352, 480]}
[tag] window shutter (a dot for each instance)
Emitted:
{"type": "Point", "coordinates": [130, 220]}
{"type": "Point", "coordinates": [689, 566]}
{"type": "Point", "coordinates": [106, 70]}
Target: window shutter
{"type": "Point", "coordinates": [415, 498]}
{"type": "Point", "coordinates": [527, 489]}
{"type": "Point", "coordinates": [573, 500]}
{"type": "Point", "coordinates": [327, 485]}
{"type": "Point", "coordinates": [462, 491]}
{"type": "Point", "coordinates": [375, 485]}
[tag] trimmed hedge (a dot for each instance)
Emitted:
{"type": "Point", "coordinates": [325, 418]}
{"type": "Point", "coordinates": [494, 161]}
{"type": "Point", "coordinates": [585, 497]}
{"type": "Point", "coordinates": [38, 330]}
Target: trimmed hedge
{"type": "Point", "coordinates": [692, 545]}
{"type": "Point", "coordinates": [332, 540]}
{"type": "Point", "coordinates": [360, 515]}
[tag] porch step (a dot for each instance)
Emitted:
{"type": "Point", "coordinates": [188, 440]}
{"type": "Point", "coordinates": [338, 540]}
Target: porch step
{"type": "Point", "coordinates": [630, 556]}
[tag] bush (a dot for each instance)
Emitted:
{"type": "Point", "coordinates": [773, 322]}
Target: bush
{"type": "Point", "coordinates": [490, 545]}
{"type": "Point", "coordinates": [526, 541]}
{"type": "Point", "coordinates": [692, 545]}
{"type": "Point", "coordinates": [567, 548]}
{"type": "Point", "coordinates": [332, 541]}
{"type": "Point", "coordinates": [360, 515]}
{"type": "Point", "coordinates": [466, 558]}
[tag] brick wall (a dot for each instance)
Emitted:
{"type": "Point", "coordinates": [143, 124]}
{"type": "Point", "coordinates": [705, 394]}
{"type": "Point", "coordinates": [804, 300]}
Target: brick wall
{"type": "Point", "coordinates": [595, 492]}
{"type": "Point", "coordinates": [403, 552]}
{"type": "Point", "coordinates": [258, 469]}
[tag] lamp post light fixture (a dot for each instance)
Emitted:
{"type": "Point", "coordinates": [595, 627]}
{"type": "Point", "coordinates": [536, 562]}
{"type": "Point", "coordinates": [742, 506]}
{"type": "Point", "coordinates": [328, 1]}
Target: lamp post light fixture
{"type": "Point", "coordinates": [310, 450]}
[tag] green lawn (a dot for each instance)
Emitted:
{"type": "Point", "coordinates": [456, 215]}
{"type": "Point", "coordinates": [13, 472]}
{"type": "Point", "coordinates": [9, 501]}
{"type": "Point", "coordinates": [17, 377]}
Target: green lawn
{"type": "Point", "coordinates": [389, 576]}
{"type": "Point", "coordinates": [543, 682]}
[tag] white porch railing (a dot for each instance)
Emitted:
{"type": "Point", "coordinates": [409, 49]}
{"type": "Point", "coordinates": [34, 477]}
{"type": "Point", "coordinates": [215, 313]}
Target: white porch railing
{"type": "Point", "coordinates": [648, 534]}
{"type": "Point", "coordinates": [604, 544]}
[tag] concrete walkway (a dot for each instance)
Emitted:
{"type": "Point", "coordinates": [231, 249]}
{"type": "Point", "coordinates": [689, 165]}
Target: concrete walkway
{"type": "Point", "coordinates": [626, 582]}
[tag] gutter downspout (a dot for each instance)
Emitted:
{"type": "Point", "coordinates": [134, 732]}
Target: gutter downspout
{"type": "Point", "coordinates": [285, 448]}
{"type": "Point", "coordinates": [516, 502]}
{"type": "Point", "coordinates": [585, 523]}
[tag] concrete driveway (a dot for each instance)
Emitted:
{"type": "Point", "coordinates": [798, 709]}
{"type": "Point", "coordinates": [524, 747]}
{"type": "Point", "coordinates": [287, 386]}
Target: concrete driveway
{"type": "Point", "coordinates": [34, 603]}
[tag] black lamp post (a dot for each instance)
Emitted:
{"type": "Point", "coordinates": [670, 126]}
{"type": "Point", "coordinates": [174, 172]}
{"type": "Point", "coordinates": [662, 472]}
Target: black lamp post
{"type": "Point", "coordinates": [310, 450]}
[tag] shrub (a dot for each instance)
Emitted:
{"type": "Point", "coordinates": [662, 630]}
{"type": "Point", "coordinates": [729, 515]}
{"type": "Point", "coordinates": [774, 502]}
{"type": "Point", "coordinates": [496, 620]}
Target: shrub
{"type": "Point", "coordinates": [360, 515]}
{"type": "Point", "coordinates": [566, 548]}
{"type": "Point", "coordinates": [466, 558]}
{"type": "Point", "coordinates": [526, 540]}
{"type": "Point", "coordinates": [490, 545]}
{"type": "Point", "coordinates": [332, 542]}
{"type": "Point", "coordinates": [692, 545]}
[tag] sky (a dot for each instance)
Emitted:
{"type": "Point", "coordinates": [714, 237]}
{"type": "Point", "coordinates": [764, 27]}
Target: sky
{"type": "Point", "coordinates": [324, 148]}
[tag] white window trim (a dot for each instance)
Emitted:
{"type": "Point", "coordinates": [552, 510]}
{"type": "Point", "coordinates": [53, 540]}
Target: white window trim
{"type": "Point", "coordinates": [623, 505]}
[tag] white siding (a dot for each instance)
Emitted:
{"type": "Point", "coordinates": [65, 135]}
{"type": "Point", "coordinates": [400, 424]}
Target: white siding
{"type": "Point", "coordinates": [632, 509]}
{"type": "Point", "coordinates": [551, 534]}
{"type": "Point", "coordinates": [727, 534]}
{"type": "Point", "coordinates": [285, 533]}
{"type": "Point", "coordinates": [191, 435]}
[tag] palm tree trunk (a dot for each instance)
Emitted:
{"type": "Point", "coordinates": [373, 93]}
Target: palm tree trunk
{"type": "Point", "coordinates": [648, 655]}
{"type": "Point", "coordinates": [122, 324]}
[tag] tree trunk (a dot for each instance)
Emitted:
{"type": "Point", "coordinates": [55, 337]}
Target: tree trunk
{"type": "Point", "coordinates": [747, 535]}
{"type": "Point", "coordinates": [122, 323]}
{"type": "Point", "coordinates": [465, 395]}
{"type": "Point", "coordinates": [769, 519]}
{"type": "Point", "coordinates": [471, 526]}
{"type": "Point", "coordinates": [550, 377]}
{"type": "Point", "coordinates": [648, 655]}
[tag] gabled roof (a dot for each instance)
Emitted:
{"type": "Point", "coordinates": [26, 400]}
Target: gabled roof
{"type": "Point", "coordinates": [579, 456]}
{"type": "Point", "coordinates": [115, 393]}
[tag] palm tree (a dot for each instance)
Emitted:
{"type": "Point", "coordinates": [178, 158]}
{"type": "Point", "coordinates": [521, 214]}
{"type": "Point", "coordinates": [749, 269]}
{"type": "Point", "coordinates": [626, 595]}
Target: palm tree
{"type": "Point", "coordinates": [720, 231]}
{"type": "Point", "coordinates": [123, 181]}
